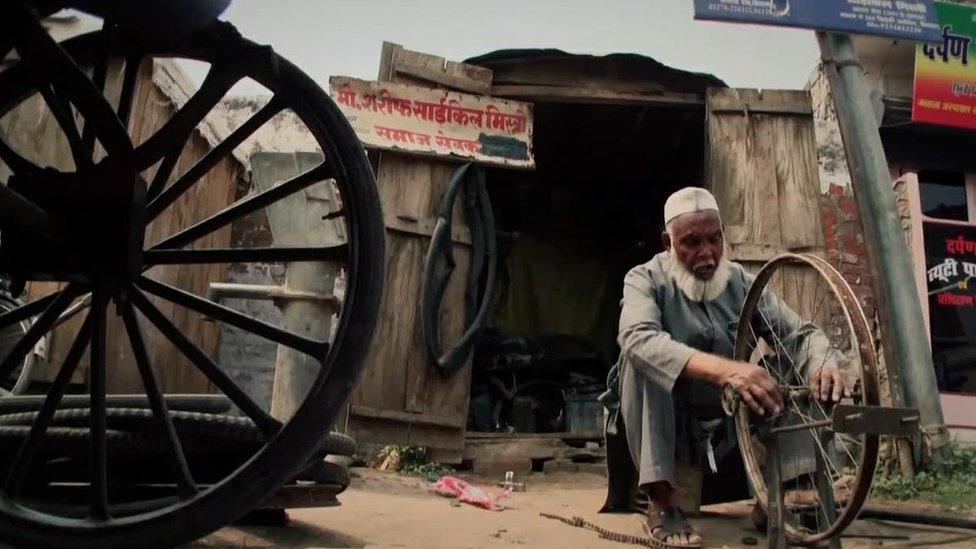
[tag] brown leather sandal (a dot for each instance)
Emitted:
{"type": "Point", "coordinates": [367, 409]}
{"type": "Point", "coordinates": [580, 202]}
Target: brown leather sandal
{"type": "Point", "coordinates": [666, 523]}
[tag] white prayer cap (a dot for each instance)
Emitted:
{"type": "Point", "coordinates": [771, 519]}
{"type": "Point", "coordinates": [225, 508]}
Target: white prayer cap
{"type": "Point", "coordinates": [688, 200]}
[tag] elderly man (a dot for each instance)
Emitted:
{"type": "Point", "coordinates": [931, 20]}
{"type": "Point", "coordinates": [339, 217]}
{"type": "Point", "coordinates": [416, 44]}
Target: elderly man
{"type": "Point", "coordinates": [679, 313]}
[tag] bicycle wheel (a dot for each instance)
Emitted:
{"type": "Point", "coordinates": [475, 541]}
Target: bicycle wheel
{"type": "Point", "coordinates": [18, 380]}
{"type": "Point", "coordinates": [801, 316]}
{"type": "Point", "coordinates": [181, 487]}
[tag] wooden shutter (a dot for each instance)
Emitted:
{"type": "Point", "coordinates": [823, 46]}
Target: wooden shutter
{"type": "Point", "coordinates": [401, 398]}
{"type": "Point", "coordinates": [762, 168]}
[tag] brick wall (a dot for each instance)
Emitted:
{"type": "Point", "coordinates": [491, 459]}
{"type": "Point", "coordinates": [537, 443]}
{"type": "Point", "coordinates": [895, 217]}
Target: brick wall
{"type": "Point", "coordinates": [844, 241]}
{"type": "Point", "coordinates": [843, 236]}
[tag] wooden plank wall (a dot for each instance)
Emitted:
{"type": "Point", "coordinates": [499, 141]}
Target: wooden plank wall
{"type": "Point", "coordinates": [399, 387]}
{"type": "Point", "coordinates": [402, 399]}
{"type": "Point", "coordinates": [31, 129]}
{"type": "Point", "coordinates": [762, 168]}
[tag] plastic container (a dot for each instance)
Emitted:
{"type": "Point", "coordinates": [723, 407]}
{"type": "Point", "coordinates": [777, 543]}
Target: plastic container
{"type": "Point", "coordinates": [584, 414]}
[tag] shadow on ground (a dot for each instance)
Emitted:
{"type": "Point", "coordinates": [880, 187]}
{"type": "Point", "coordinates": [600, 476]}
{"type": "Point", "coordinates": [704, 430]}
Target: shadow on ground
{"type": "Point", "coordinates": [297, 533]}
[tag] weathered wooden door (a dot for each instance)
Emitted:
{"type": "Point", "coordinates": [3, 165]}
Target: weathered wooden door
{"type": "Point", "coordinates": [762, 168]}
{"type": "Point", "coordinates": [401, 398]}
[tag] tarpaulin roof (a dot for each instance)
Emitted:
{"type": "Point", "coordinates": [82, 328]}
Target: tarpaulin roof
{"type": "Point", "coordinates": [615, 71]}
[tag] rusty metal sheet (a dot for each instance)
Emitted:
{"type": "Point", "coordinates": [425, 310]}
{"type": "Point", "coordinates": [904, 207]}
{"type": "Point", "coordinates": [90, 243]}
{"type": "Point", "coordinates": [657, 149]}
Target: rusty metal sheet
{"type": "Point", "coordinates": [874, 420]}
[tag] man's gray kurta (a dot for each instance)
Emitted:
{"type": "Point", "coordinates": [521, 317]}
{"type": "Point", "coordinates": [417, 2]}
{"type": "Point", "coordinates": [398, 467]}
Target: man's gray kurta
{"type": "Point", "coordinates": [660, 329]}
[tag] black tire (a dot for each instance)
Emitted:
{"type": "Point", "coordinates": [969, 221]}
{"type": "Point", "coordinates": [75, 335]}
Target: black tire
{"type": "Point", "coordinates": [291, 448]}
{"type": "Point", "coordinates": [338, 444]}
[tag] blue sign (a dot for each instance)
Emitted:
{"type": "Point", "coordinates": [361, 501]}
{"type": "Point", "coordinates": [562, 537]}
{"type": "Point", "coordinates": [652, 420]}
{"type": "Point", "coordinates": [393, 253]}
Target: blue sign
{"type": "Point", "coordinates": [906, 19]}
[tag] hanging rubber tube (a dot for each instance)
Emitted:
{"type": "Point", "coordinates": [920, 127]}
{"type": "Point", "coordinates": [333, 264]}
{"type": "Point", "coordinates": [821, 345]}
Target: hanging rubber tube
{"type": "Point", "coordinates": [484, 249]}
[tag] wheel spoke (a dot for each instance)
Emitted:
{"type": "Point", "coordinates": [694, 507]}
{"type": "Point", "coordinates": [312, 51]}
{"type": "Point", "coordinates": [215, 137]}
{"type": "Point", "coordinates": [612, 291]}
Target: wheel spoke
{"type": "Point", "coordinates": [29, 447]}
{"type": "Point", "coordinates": [24, 218]}
{"type": "Point", "coordinates": [99, 425]}
{"type": "Point", "coordinates": [184, 478]}
{"type": "Point", "coordinates": [162, 173]}
{"type": "Point", "coordinates": [173, 135]}
{"type": "Point", "coordinates": [99, 74]}
{"type": "Point", "coordinates": [778, 342]}
{"type": "Point", "coordinates": [316, 349]}
{"type": "Point", "coordinates": [37, 330]}
{"type": "Point", "coordinates": [780, 323]}
{"type": "Point", "coordinates": [818, 404]}
{"type": "Point", "coordinates": [215, 155]}
{"type": "Point", "coordinates": [778, 375]}
{"type": "Point", "coordinates": [797, 290]}
{"type": "Point", "coordinates": [819, 445]}
{"type": "Point", "coordinates": [816, 293]}
{"type": "Point", "coordinates": [268, 425]}
{"type": "Point", "coordinates": [245, 206]}
{"type": "Point", "coordinates": [26, 311]}
{"type": "Point", "coordinates": [74, 310]}
{"type": "Point", "coordinates": [831, 470]}
{"type": "Point", "coordinates": [245, 255]}
{"type": "Point", "coordinates": [62, 114]}
{"type": "Point", "coordinates": [129, 79]}
{"type": "Point", "coordinates": [17, 164]}
{"type": "Point", "coordinates": [36, 46]}
{"type": "Point", "coordinates": [778, 346]}
{"type": "Point", "coordinates": [819, 305]}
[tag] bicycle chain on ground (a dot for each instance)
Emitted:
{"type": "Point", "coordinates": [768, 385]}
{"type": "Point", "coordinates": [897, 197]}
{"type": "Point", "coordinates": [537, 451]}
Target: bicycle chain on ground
{"type": "Point", "coordinates": [609, 535]}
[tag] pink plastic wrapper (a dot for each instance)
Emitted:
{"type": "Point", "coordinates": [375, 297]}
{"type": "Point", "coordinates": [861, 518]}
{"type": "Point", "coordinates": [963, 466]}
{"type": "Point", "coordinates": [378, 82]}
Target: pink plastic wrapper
{"type": "Point", "coordinates": [466, 493]}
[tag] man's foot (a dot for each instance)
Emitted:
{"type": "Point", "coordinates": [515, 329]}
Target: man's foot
{"type": "Point", "coordinates": [668, 528]}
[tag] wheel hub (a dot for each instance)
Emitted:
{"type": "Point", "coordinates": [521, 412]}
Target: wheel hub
{"type": "Point", "coordinates": [99, 227]}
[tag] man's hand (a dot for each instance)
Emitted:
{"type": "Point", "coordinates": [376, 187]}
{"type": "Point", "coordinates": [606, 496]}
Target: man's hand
{"type": "Point", "coordinates": [757, 388]}
{"type": "Point", "coordinates": [827, 384]}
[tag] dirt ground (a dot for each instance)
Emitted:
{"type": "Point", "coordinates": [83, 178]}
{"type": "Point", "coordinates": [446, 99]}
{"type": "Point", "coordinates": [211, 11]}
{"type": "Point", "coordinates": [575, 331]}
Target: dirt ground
{"type": "Point", "coordinates": [388, 510]}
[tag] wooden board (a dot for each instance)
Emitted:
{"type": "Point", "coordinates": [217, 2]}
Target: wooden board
{"type": "Point", "coordinates": [397, 378]}
{"type": "Point", "coordinates": [436, 122]}
{"type": "Point", "coordinates": [595, 96]}
{"type": "Point", "coordinates": [404, 66]}
{"type": "Point", "coordinates": [762, 168]}
{"type": "Point", "coordinates": [401, 398]}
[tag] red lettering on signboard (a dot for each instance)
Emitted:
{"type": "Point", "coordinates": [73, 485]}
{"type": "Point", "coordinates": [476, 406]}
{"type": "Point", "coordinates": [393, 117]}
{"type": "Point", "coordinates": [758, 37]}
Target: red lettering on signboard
{"type": "Point", "coordinates": [397, 135]}
{"type": "Point", "coordinates": [447, 111]}
{"type": "Point", "coordinates": [955, 300]}
{"type": "Point", "coordinates": [960, 245]}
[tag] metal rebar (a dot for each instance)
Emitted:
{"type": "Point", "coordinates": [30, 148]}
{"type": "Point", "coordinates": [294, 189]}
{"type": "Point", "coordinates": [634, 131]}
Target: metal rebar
{"type": "Point", "coordinates": [800, 427]}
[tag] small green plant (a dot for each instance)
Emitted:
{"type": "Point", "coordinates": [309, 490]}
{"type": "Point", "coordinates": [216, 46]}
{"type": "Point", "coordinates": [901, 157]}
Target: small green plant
{"type": "Point", "coordinates": [954, 488]}
{"type": "Point", "coordinates": [412, 460]}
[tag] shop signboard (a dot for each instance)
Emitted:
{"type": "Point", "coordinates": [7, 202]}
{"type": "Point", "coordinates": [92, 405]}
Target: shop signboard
{"type": "Point", "coordinates": [902, 19]}
{"type": "Point", "coordinates": [950, 256]}
{"type": "Point", "coordinates": [945, 72]}
{"type": "Point", "coordinates": [406, 118]}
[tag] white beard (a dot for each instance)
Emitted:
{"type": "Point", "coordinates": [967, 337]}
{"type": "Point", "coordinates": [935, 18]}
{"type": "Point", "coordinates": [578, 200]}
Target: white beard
{"type": "Point", "coordinates": [700, 290]}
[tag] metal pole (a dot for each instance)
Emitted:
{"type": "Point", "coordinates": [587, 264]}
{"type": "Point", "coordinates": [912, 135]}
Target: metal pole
{"type": "Point", "coordinates": [903, 328]}
{"type": "Point", "coordinates": [295, 372]}
{"type": "Point", "coordinates": [306, 298]}
{"type": "Point", "coordinates": [775, 527]}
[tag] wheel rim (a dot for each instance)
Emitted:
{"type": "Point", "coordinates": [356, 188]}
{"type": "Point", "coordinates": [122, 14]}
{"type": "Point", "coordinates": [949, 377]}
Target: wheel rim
{"type": "Point", "coordinates": [16, 383]}
{"type": "Point", "coordinates": [806, 517]}
{"type": "Point", "coordinates": [130, 292]}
